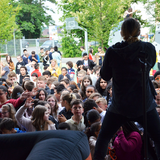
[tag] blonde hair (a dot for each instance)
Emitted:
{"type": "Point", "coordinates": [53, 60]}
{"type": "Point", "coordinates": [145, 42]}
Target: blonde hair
{"type": "Point", "coordinates": [37, 118]}
{"type": "Point", "coordinates": [56, 66]}
{"type": "Point", "coordinates": [96, 94]}
{"type": "Point", "coordinates": [103, 100]}
{"type": "Point", "coordinates": [68, 97]}
{"type": "Point", "coordinates": [4, 63]}
{"type": "Point", "coordinates": [10, 108]}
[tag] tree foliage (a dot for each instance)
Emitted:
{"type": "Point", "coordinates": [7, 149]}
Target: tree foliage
{"type": "Point", "coordinates": [70, 48]}
{"type": "Point", "coordinates": [32, 17]}
{"type": "Point", "coordinates": [97, 16]}
{"type": "Point", "coordinates": [7, 20]}
{"type": "Point", "coordinates": [153, 8]}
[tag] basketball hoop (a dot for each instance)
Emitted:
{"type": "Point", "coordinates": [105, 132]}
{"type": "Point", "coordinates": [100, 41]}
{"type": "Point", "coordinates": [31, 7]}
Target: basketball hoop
{"type": "Point", "coordinates": [71, 23]}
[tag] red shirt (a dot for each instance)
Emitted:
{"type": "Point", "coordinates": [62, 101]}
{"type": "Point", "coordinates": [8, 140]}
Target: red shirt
{"type": "Point", "coordinates": [15, 102]}
{"type": "Point", "coordinates": [90, 56]}
{"type": "Point", "coordinates": [37, 71]}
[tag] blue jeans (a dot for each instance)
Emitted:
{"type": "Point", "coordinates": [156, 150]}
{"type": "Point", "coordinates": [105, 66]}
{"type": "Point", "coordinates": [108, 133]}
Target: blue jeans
{"type": "Point", "coordinates": [111, 124]}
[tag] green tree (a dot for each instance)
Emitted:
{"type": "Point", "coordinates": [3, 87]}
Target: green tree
{"type": "Point", "coordinates": [32, 17]}
{"type": "Point", "coordinates": [97, 16]}
{"type": "Point", "coordinates": [70, 48]}
{"type": "Point", "coordinates": [7, 20]}
{"type": "Point", "coordinates": [153, 8]}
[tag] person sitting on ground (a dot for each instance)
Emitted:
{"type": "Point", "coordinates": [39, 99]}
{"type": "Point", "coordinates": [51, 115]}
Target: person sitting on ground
{"type": "Point", "coordinates": [34, 57]}
{"type": "Point", "coordinates": [92, 134]}
{"type": "Point", "coordinates": [25, 56]}
{"type": "Point", "coordinates": [128, 143]}
{"type": "Point", "coordinates": [64, 74]}
{"type": "Point", "coordinates": [4, 69]}
{"type": "Point", "coordinates": [34, 78]}
{"type": "Point", "coordinates": [12, 78]}
{"type": "Point", "coordinates": [57, 92]}
{"type": "Point", "coordinates": [101, 85]}
{"type": "Point", "coordinates": [91, 104]}
{"type": "Point", "coordinates": [80, 77]}
{"type": "Point", "coordinates": [95, 96]}
{"type": "Point", "coordinates": [51, 99]}
{"type": "Point", "coordinates": [8, 111]}
{"type": "Point", "coordinates": [89, 90]}
{"type": "Point", "coordinates": [76, 122]}
{"type": "Point", "coordinates": [7, 126]}
{"type": "Point", "coordinates": [85, 82]}
{"type": "Point", "coordinates": [10, 63]}
{"type": "Point", "coordinates": [42, 83]}
{"type": "Point", "coordinates": [92, 117]}
{"type": "Point", "coordinates": [42, 94]}
{"type": "Point", "coordinates": [16, 102]}
{"type": "Point", "coordinates": [109, 94]}
{"type": "Point", "coordinates": [54, 69]}
{"type": "Point", "coordinates": [47, 74]}
{"type": "Point", "coordinates": [17, 91]}
{"type": "Point", "coordinates": [70, 70]}
{"type": "Point", "coordinates": [102, 103]}
{"type": "Point", "coordinates": [71, 87]}
{"type": "Point", "coordinates": [66, 113]}
{"type": "Point", "coordinates": [63, 126]}
{"type": "Point", "coordinates": [23, 73]}
{"type": "Point", "coordinates": [65, 82]}
{"type": "Point", "coordinates": [39, 120]}
{"type": "Point", "coordinates": [19, 64]}
{"type": "Point", "coordinates": [48, 106]}
{"type": "Point", "coordinates": [36, 66]}
{"type": "Point", "coordinates": [46, 58]}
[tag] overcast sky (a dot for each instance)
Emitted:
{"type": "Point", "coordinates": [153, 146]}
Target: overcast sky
{"type": "Point", "coordinates": [57, 13]}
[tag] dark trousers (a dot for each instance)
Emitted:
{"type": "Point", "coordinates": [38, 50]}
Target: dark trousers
{"type": "Point", "coordinates": [111, 124]}
{"type": "Point", "coordinates": [158, 66]}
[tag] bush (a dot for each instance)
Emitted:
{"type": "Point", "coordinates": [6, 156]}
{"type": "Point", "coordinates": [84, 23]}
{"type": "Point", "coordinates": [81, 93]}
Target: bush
{"type": "Point", "coordinates": [70, 48]}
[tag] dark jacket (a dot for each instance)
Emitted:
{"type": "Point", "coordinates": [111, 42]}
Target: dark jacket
{"type": "Point", "coordinates": [121, 63]}
{"type": "Point", "coordinates": [68, 114]}
{"type": "Point", "coordinates": [47, 90]}
{"type": "Point", "coordinates": [61, 77]}
{"type": "Point", "coordinates": [91, 64]}
{"type": "Point", "coordinates": [18, 66]}
{"type": "Point", "coordinates": [21, 79]}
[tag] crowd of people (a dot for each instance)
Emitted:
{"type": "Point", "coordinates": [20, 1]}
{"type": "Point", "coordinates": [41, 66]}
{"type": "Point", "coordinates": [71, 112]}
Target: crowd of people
{"type": "Point", "coordinates": [64, 98]}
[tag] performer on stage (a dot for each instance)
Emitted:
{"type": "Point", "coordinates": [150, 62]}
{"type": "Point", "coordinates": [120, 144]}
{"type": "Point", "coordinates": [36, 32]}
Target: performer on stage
{"type": "Point", "coordinates": [128, 13]}
{"type": "Point", "coordinates": [122, 64]}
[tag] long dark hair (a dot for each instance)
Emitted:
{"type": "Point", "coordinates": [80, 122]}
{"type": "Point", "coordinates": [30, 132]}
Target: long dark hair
{"type": "Point", "coordinates": [10, 59]}
{"type": "Point", "coordinates": [130, 30]}
{"type": "Point", "coordinates": [83, 88]}
{"type": "Point", "coordinates": [130, 127]}
{"type": "Point", "coordinates": [109, 86]}
{"type": "Point", "coordinates": [90, 131]}
{"type": "Point", "coordinates": [41, 89]}
{"type": "Point", "coordinates": [103, 92]}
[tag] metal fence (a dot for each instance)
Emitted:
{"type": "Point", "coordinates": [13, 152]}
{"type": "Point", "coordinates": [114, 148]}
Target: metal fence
{"type": "Point", "coordinates": [15, 47]}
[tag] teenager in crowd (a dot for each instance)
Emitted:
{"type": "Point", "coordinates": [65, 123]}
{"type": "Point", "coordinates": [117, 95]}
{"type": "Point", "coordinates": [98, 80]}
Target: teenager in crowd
{"type": "Point", "coordinates": [10, 63]}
